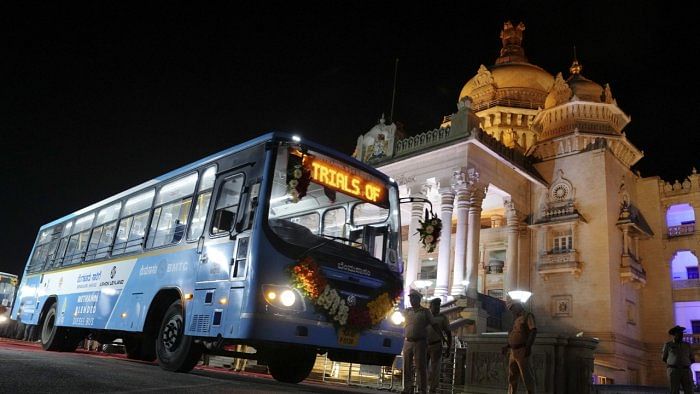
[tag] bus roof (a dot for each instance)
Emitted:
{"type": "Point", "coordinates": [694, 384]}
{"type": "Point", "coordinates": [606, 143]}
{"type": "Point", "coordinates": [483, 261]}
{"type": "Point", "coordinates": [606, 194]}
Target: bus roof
{"type": "Point", "coordinates": [2, 274]}
{"type": "Point", "coordinates": [245, 145]}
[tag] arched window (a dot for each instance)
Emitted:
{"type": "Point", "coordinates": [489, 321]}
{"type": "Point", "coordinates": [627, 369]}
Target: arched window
{"type": "Point", "coordinates": [680, 219]}
{"type": "Point", "coordinates": [684, 266]}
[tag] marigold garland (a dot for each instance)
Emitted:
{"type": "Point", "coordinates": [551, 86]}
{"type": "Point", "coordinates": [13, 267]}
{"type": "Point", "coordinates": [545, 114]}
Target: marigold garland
{"type": "Point", "coordinates": [429, 231]}
{"type": "Point", "coordinates": [298, 176]}
{"type": "Point", "coordinates": [307, 277]}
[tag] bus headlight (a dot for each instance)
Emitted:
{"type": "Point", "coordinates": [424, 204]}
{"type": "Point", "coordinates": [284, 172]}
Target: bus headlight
{"type": "Point", "coordinates": [287, 298]}
{"type": "Point", "coordinates": [3, 319]}
{"type": "Point", "coordinates": [283, 297]}
{"type": "Point", "coordinates": [397, 318]}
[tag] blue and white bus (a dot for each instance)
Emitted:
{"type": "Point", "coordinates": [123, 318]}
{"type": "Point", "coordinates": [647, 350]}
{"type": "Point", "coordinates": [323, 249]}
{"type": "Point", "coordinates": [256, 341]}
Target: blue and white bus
{"type": "Point", "coordinates": [281, 245]}
{"type": "Point", "coordinates": [8, 285]}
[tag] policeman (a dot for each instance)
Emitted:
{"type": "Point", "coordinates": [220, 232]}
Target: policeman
{"type": "Point", "coordinates": [417, 320]}
{"type": "Point", "coordinates": [435, 340]}
{"type": "Point", "coordinates": [520, 340]}
{"type": "Point", "coordinates": [678, 356]}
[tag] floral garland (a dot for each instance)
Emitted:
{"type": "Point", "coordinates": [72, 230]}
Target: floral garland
{"type": "Point", "coordinates": [298, 177]}
{"type": "Point", "coordinates": [343, 311]}
{"type": "Point", "coordinates": [429, 231]}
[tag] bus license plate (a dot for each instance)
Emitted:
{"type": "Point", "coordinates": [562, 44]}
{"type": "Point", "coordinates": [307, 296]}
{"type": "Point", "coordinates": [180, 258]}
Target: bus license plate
{"type": "Point", "coordinates": [348, 338]}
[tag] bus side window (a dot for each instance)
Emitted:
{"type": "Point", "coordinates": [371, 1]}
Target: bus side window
{"type": "Point", "coordinates": [199, 217]}
{"type": "Point", "coordinates": [132, 226]}
{"type": "Point", "coordinates": [227, 205]}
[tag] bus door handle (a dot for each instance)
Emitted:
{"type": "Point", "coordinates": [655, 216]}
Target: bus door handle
{"type": "Point", "coordinates": [200, 250]}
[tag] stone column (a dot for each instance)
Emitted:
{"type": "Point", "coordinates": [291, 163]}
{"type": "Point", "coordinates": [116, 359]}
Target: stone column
{"type": "Point", "coordinates": [413, 263]}
{"type": "Point", "coordinates": [510, 272]}
{"type": "Point", "coordinates": [460, 240]}
{"type": "Point", "coordinates": [625, 241]}
{"type": "Point", "coordinates": [477, 192]}
{"type": "Point", "coordinates": [442, 284]}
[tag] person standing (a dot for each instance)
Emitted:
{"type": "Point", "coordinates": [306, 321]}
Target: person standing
{"type": "Point", "coordinates": [678, 357]}
{"type": "Point", "coordinates": [520, 340]}
{"type": "Point", "coordinates": [435, 340]}
{"type": "Point", "coordinates": [417, 320]}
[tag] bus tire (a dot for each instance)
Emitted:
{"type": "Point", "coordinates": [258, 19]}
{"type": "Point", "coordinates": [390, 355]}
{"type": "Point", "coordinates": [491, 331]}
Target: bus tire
{"type": "Point", "coordinates": [291, 366]}
{"type": "Point", "coordinates": [176, 351]}
{"type": "Point", "coordinates": [141, 348]}
{"type": "Point", "coordinates": [73, 336]}
{"type": "Point", "coordinates": [54, 338]}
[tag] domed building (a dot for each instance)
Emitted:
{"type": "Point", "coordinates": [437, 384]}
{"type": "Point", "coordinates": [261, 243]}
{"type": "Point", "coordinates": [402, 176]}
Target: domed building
{"type": "Point", "coordinates": [532, 179]}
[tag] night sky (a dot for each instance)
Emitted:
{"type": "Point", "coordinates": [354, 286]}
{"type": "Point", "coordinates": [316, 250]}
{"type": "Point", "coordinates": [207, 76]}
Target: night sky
{"type": "Point", "coordinates": [100, 98]}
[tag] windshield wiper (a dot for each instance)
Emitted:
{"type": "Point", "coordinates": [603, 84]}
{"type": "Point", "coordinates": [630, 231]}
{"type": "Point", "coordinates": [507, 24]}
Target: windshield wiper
{"type": "Point", "coordinates": [333, 237]}
{"type": "Point", "coordinates": [327, 241]}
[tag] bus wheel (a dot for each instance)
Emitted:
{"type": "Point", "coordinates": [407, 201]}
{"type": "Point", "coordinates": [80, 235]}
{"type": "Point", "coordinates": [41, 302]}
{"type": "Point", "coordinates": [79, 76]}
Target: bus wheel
{"type": "Point", "coordinates": [53, 337]}
{"type": "Point", "coordinates": [292, 366]}
{"type": "Point", "coordinates": [141, 347]}
{"type": "Point", "coordinates": [176, 351]}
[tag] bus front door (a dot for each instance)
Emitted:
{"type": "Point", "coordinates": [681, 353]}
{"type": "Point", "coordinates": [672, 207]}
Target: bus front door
{"type": "Point", "coordinates": [220, 273]}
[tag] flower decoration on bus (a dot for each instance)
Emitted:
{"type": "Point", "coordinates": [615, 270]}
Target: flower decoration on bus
{"type": "Point", "coordinates": [298, 176]}
{"type": "Point", "coordinates": [344, 312]}
{"type": "Point", "coordinates": [429, 230]}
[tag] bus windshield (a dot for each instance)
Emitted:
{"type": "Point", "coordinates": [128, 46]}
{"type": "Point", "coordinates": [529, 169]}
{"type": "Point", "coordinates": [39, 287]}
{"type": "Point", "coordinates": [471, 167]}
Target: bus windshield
{"type": "Point", "coordinates": [317, 201]}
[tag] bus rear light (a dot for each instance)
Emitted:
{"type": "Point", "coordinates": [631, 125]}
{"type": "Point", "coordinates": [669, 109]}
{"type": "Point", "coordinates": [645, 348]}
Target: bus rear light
{"type": "Point", "coordinates": [283, 297]}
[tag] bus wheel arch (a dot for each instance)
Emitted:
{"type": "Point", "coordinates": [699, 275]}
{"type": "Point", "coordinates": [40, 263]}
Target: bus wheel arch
{"type": "Point", "coordinates": [176, 351]}
{"type": "Point", "coordinates": [54, 337]}
{"type": "Point", "coordinates": [143, 346]}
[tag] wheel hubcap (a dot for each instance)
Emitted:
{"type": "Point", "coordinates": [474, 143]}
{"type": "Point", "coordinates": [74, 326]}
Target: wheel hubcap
{"type": "Point", "coordinates": [172, 333]}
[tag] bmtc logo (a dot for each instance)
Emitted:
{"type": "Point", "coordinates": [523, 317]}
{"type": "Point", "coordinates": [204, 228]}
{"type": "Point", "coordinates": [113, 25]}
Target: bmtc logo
{"type": "Point", "coordinates": [113, 272]}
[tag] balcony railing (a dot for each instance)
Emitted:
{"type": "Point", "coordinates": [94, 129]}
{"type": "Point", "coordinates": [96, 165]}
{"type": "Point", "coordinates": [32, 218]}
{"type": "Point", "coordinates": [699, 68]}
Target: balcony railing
{"type": "Point", "coordinates": [683, 229]}
{"type": "Point", "coordinates": [631, 270]}
{"type": "Point", "coordinates": [692, 338]}
{"type": "Point", "coordinates": [685, 283]}
{"type": "Point", "coordinates": [552, 263]}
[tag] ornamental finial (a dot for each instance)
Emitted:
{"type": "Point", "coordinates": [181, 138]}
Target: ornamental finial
{"type": "Point", "coordinates": [575, 68]}
{"type": "Point", "coordinates": [512, 40]}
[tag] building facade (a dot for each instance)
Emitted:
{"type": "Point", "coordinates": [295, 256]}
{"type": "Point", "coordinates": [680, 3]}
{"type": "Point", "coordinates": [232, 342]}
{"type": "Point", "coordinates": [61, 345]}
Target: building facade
{"type": "Point", "coordinates": [532, 180]}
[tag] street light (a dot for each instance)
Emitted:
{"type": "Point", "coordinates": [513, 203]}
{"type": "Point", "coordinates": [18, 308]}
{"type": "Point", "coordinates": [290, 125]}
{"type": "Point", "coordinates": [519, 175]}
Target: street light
{"type": "Point", "coordinates": [519, 295]}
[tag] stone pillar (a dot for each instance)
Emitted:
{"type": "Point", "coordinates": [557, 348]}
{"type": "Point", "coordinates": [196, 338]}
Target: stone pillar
{"type": "Point", "coordinates": [413, 264]}
{"type": "Point", "coordinates": [510, 272]}
{"type": "Point", "coordinates": [442, 284]}
{"type": "Point", "coordinates": [460, 240]}
{"type": "Point", "coordinates": [477, 192]}
{"type": "Point", "coordinates": [625, 241]}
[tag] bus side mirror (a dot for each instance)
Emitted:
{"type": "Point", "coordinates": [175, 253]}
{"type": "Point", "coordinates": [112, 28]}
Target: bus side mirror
{"type": "Point", "coordinates": [223, 220]}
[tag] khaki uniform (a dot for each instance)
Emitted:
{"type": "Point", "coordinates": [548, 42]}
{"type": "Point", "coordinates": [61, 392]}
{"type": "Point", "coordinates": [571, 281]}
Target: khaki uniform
{"type": "Point", "coordinates": [435, 351]}
{"type": "Point", "coordinates": [518, 363]}
{"type": "Point", "coordinates": [678, 359]}
{"type": "Point", "coordinates": [415, 347]}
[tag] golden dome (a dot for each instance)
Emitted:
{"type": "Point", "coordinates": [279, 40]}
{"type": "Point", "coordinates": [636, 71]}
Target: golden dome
{"type": "Point", "coordinates": [509, 76]}
{"type": "Point", "coordinates": [585, 89]}
{"type": "Point", "coordinates": [576, 85]}
{"type": "Point", "coordinates": [512, 81]}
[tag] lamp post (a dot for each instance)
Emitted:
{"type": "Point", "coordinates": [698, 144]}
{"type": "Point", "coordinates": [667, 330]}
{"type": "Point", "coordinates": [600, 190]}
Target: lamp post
{"type": "Point", "coordinates": [520, 295]}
